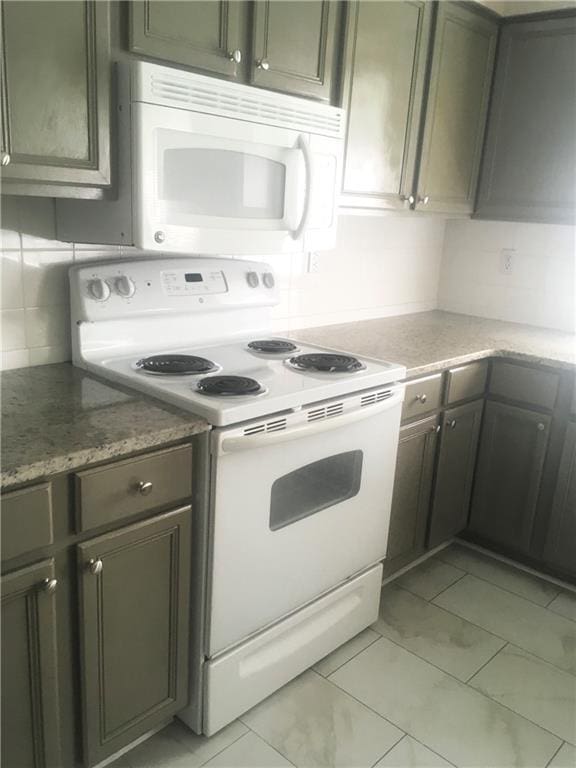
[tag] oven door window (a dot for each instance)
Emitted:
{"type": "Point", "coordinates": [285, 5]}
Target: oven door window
{"type": "Point", "coordinates": [315, 487]}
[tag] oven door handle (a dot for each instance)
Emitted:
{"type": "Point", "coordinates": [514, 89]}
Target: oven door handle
{"type": "Point", "coordinates": [302, 143]}
{"type": "Point", "coordinates": [237, 444]}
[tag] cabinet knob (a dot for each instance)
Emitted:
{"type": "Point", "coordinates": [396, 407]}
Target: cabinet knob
{"type": "Point", "coordinates": [95, 566]}
{"type": "Point", "coordinates": [235, 56]}
{"type": "Point", "coordinates": [436, 429]}
{"type": "Point", "coordinates": [263, 64]}
{"type": "Point", "coordinates": [159, 236]}
{"type": "Point", "coordinates": [452, 424]}
{"type": "Point", "coordinates": [144, 489]}
{"type": "Point", "coordinates": [424, 199]}
{"type": "Point", "coordinates": [49, 585]}
{"type": "Point", "coordinates": [407, 199]}
{"type": "Point", "coordinates": [5, 158]}
{"type": "Point", "coordinates": [422, 398]}
{"type": "Point", "coordinates": [541, 427]}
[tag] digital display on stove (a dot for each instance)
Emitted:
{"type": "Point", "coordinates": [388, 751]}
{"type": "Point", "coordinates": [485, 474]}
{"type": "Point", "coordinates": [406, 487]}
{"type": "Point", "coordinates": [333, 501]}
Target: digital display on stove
{"type": "Point", "coordinates": [193, 277]}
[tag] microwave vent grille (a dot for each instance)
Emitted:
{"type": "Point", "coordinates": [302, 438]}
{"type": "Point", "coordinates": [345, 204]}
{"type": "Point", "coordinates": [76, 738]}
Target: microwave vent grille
{"type": "Point", "coordinates": [231, 100]}
{"type": "Point", "coordinates": [278, 425]}
{"type": "Point", "coordinates": [375, 397]}
{"type": "Point", "coordinates": [324, 412]}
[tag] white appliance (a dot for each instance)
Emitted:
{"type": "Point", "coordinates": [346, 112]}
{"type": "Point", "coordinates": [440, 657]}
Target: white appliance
{"type": "Point", "coordinates": [302, 456]}
{"type": "Point", "coordinates": [212, 167]}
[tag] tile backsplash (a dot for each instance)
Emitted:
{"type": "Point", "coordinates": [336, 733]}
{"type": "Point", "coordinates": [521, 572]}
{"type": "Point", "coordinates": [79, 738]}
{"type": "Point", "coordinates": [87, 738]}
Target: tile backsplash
{"type": "Point", "coordinates": [381, 266]}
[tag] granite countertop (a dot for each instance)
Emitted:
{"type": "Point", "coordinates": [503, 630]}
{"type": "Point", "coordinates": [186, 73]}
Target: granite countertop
{"type": "Point", "coordinates": [431, 341]}
{"type": "Point", "coordinates": [56, 418]}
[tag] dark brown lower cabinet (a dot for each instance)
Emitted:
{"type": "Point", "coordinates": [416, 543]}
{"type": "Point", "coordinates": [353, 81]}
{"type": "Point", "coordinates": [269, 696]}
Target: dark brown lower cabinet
{"type": "Point", "coordinates": [560, 548]}
{"type": "Point", "coordinates": [455, 471]}
{"type": "Point", "coordinates": [412, 489]}
{"type": "Point", "coordinates": [30, 712]}
{"type": "Point", "coordinates": [135, 609]}
{"type": "Point", "coordinates": [511, 459]}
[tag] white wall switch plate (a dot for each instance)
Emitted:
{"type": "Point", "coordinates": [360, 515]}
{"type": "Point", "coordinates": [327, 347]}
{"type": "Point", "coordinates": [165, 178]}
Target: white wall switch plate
{"type": "Point", "coordinates": [507, 260]}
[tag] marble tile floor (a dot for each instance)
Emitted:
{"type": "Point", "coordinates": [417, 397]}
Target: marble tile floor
{"type": "Point", "coordinates": [472, 662]}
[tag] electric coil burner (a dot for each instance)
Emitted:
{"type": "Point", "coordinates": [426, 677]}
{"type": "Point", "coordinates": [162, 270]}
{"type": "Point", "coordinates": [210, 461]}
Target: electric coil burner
{"type": "Point", "coordinates": [171, 365]}
{"type": "Point", "coordinates": [228, 386]}
{"type": "Point", "coordinates": [272, 346]}
{"type": "Point", "coordinates": [325, 362]}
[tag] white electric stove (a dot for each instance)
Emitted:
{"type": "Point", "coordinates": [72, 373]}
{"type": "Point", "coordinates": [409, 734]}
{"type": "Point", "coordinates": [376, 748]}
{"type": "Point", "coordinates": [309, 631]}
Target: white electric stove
{"type": "Point", "coordinates": [303, 450]}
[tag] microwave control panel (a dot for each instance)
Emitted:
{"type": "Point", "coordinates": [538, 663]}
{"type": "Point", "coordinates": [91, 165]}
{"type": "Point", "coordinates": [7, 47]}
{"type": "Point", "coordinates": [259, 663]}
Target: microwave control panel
{"type": "Point", "coordinates": [183, 282]}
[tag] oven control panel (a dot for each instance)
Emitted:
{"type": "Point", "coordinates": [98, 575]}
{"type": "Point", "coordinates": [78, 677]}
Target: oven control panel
{"type": "Point", "coordinates": [182, 282]}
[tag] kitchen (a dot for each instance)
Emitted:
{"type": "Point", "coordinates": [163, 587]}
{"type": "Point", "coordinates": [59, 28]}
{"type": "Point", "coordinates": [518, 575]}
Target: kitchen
{"type": "Point", "coordinates": [288, 283]}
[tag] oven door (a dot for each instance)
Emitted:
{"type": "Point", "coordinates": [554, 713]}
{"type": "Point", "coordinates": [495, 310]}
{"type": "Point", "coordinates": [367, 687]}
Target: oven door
{"type": "Point", "coordinates": [296, 512]}
{"type": "Point", "coordinates": [210, 184]}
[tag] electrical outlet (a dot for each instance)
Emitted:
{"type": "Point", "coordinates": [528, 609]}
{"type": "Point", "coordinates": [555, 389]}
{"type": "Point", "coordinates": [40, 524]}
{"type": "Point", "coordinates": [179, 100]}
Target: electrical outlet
{"type": "Point", "coordinates": [507, 260]}
{"type": "Point", "coordinates": [313, 265]}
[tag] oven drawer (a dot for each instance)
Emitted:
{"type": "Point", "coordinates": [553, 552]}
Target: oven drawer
{"type": "Point", "coordinates": [240, 678]}
{"type": "Point", "coordinates": [422, 396]}
{"type": "Point", "coordinates": [117, 491]}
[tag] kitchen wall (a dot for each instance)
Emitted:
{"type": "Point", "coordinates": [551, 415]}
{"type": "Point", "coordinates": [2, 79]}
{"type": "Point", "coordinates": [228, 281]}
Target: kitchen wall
{"type": "Point", "coordinates": [540, 289]}
{"type": "Point", "coordinates": [381, 266]}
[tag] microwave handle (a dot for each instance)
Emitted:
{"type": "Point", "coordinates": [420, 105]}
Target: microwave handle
{"type": "Point", "coordinates": [302, 143]}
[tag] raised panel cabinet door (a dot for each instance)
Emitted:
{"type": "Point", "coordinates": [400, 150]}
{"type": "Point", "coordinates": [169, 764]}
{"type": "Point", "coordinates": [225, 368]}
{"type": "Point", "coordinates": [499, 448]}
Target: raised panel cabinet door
{"type": "Point", "coordinates": [529, 163]}
{"type": "Point", "coordinates": [560, 549]}
{"type": "Point", "coordinates": [30, 719]}
{"type": "Point", "coordinates": [385, 66]}
{"type": "Point", "coordinates": [135, 617]}
{"type": "Point", "coordinates": [204, 34]}
{"type": "Point", "coordinates": [412, 490]}
{"type": "Point", "coordinates": [455, 471]}
{"type": "Point", "coordinates": [55, 95]}
{"type": "Point", "coordinates": [512, 451]}
{"type": "Point", "coordinates": [454, 125]}
{"type": "Point", "coordinates": [294, 45]}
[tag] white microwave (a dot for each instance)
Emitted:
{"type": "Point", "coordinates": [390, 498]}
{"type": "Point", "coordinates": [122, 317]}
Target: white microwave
{"type": "Point", "coordinates": [212, 167]}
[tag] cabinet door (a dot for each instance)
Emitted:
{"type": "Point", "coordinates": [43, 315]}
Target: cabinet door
{"type": "Point", "coordinates": [512, 451]}
{"type": "Point", "coordinates": [560, 549]}
{"type": "Point", "coordinates": [455, 471]}
{"type": "Point", "coordinates": [457, 105]}
{"type": "Point", "coordinates": [134, 630]}
{"type": "Point", "coordinates": [412, 489]}
{"type": "Point", "coordinates": [529, 162]}
{"type": "Point", "coordinates": [30, 721]}
{"type": "Point", "coordinates": [294, 45]}
{"type": "Point", "coordinates": [205, 34]}
{"type": "Point", "coordinates": [55, 96]}
{"type": "Point", "coordinates": [386, 51]}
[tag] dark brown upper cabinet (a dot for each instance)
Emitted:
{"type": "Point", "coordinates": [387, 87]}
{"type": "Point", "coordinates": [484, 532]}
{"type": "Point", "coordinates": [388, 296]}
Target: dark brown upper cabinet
{"type": "Point", "coordinates": [529, 163]}
{"type": "Point", "coordinates": [55, 83]}
{"type": "Point", "coordinates": [206, 35]}
{"type": "Point", "coordinates": [293, 48]}
{"type": "Point", "coordinates": [416, 86]}
{"type": "Point", "coordinates": [386, 50]}
{"type": "Point", "coordinates": [463, 55]}
{"type": "Point", "coordinates": [287, 46]}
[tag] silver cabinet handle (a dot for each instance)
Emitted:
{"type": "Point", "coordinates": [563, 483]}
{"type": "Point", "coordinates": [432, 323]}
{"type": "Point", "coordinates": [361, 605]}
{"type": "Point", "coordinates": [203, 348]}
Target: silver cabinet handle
{"type": "Point", "coordinates": [263, 64]}
{"type": "Point", "coordinates": [452, 424]}
{"type": "Point", "coordinates": [422, 398]}
{"type": "Point", "coordinates": [144, 489]}
{"type": "Point", "coordinates": [407, 199]}
{"type": "Point", "coordinates": [541, 427]}
{"type": "Point", "coordinates": [436, 429]}
{"type": "Point", "coordinates": [159, 236]}
{"type": "Point", "coordinates": [235, 56]}
{"type": "Point", "coordinates": [424, 200]}
{"type": "Point", "coordinates": [95, 566]}
{"type": "Point", "coordinates": [49, 585]}
{"type": "Point", "coordinates": [5, 158]}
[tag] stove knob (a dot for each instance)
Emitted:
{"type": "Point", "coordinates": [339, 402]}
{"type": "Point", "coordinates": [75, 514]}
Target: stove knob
{"type": "Point", "coordinates": [252, 279]}
{"type": "Point", "coordinates": [98, 289]}
{"type": "Point", "coordinates": [124, 286]}
{"type": "Point", "coordinates": [268, 280]}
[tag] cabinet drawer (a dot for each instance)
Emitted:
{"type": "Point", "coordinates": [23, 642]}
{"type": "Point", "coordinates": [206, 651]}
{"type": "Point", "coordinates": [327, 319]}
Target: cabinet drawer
{"type": "Point", "coordinates": [26, 520]}
{"type": "Point", "coordinates": [466, 382]}
{"type": "Point", "coordinates": [422, 396]}
{"type": "Point", "coordinates": [123, 489]}
{"type": "Point", "coordinates": [526, 385]}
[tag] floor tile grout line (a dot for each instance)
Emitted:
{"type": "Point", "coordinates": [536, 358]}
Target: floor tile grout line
{"type": "Point", "coordinates": [404, 735]}
{"type": "Point", "coordinates": [265, 740]}
{"type": "Point", "coordinates": [554, 755]}
{"type": "Point", "coordinates": [486, 663]}
{"type": "Point", "coordinates": [449, 586]}
{"type": "Point", "coordinates": [378, 636]}
{"type": "Point", "coordinates": [462, 682]}
{"type": "Point", "coordinates": [241, 736]}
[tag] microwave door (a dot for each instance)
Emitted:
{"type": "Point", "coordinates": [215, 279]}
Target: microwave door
{"type": "Point", "coordinates": [216, 185]}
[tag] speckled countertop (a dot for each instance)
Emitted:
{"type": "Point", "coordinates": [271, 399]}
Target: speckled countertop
{"type": "Point", "coordinates": [431, 341]}
{"type": "Point", "coordinates": [56, 418]}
